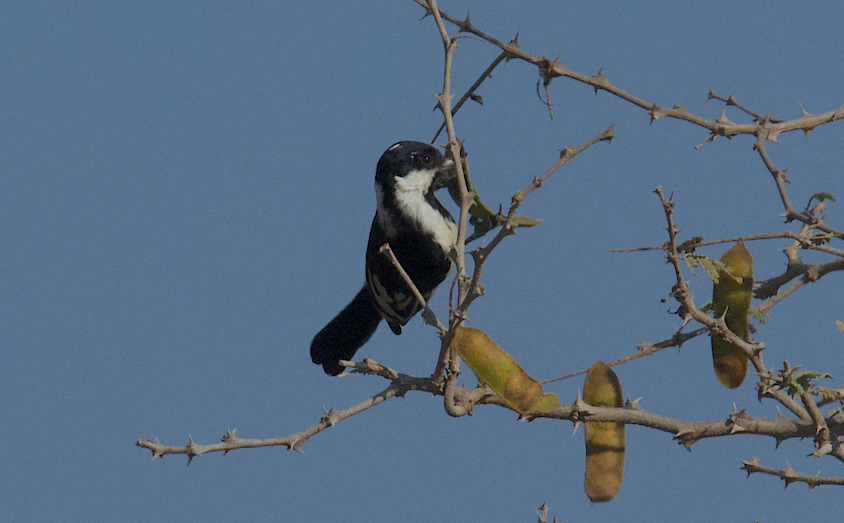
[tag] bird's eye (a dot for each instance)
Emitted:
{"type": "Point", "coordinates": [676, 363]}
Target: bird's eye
{"type": "Point", "coordinates": [427, 159]}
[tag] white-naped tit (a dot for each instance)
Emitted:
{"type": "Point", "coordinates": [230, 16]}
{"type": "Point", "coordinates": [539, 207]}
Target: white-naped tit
{"type": "Point", "coordinates": [421, 234]}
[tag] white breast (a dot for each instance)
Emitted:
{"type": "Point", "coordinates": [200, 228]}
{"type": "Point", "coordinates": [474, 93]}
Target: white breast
{"type": "Point", "coordinates": [410, 198]}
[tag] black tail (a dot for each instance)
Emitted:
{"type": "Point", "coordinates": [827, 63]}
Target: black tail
{"type": "Point", "coordinates": [344, 335]}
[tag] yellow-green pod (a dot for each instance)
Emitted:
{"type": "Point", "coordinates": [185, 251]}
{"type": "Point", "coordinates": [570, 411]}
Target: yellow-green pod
{"type": "Point", "coordinates": [732, 294]}
{"type": "Point", "coordinates": [604, 439]}
{"type": "Point", "coordinates": [493, 366]}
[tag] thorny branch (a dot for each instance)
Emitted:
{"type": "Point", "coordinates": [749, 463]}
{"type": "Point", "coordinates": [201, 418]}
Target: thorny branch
{"type": "Point", "coordinates": [508, 228]}
{"type": "Point", "coordinates": [764, 128]}
{"type": "Point", "coordinates": [769, 289]}
{"type": "Point", "coordinates": [685, 432]}
{"type": "Point", "coordinates": [447, 356]}
{"type": "Point", "coordinates": [789, 475]}
{"type": "Point", "coordinates": [769, 385]}
{"type": "Point", "coordinates": [826, 432]}
{"type": "Point", "coordinates": [681, 293]}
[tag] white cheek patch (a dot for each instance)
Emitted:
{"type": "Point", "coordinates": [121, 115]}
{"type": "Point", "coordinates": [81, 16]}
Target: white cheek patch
{"type": "Point", "coordinates": [417, 181]}
{"type": "Point", "coordinates": [410, 198]}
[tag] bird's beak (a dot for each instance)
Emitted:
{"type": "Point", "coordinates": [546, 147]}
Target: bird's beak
{"type": "Point", "coordinates": [445, 173]}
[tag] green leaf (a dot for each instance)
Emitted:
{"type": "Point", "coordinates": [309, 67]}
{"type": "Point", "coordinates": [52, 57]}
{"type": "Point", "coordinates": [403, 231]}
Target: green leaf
{"type": "Point", "coordinates": [526, 221]}
{"type": "Point", "coordinates": [800, 383]}
{"type": "Point", "coordinates": [709, 265]}
{"type": "Point", "coordinates": [821, 238]}
{"type": "Point", "coordinates": [821, 196]}
{"type": "Point", "coordinates": [758, 316]}
{"type": "Point", "coordinates": [830, 395]}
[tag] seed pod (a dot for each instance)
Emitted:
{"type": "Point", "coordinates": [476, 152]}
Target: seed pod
{"type": "Point", "coordinates": [732, 293]}
{"type": "Point", "coordinates": [493, 366]}
{"type": "Point", "coordinates": [604, 439]}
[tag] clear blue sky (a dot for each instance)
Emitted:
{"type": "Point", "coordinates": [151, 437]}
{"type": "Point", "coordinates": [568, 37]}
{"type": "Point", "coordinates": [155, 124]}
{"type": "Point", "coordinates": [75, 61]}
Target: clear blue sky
{"type": "Point", "coordinates": [185, 197]}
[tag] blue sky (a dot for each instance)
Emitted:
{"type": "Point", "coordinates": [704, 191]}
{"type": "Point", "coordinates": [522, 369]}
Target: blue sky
{"type": "Point", "coordinates": [185, 197]}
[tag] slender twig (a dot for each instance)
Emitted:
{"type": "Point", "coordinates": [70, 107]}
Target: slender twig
{"type": "Point", "coordinates": [399, 387]}
{"type": "Point", "coordinates": [779, 176]}
{"type": "Point", "coordinates": [789, 475]}
{"type": "Point", "coordinates": [822, 443]}
{"type": "Point", "coordinates": [731, 101]}
{"type": "Point", "coordinates": [486, 74]}
{"type": "Point", "coordinates": [810, 273]}
{"type": "Point", "coordinates": [643, 349]}
{"type": "Point", "coordinates": [429, 315]}
{"type": "Point", "coordinates": [806, 243]}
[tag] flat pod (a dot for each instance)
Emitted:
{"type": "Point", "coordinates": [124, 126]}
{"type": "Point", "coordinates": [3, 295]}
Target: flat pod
{"type": "Point", "coordinates": [732, 294]}
{"type": "Point", "coordinates": [493, 366]}
{"type": "Point", "coordinates": [605, 443]}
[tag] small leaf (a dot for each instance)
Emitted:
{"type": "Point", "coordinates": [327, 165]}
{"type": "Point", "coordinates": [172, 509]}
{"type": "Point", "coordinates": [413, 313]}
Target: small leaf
{"type": "Point", "coordinates": [758, 316]}
{"type": "Point", "coordinates": [799, 383]}
{"type": "Point", "coordinates": [478, 208]}
{"type": "Point", "coordinates": [821, 238]}
{"type": "Point", "coordinates": [526, 221]}
{"type": "Point", "coordinates": [820, 196]}
{"type": "Point", "coordinates": [712, 267]}
{"type": "Point", "coordinates": [840, 325]}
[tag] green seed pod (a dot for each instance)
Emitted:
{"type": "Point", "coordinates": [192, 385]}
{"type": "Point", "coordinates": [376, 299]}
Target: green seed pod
{"type": "Point", "coordinates": [493, 366]}
{"type": "Point", "coordinates": [732, 294]}
{"type": "Point", "coordinates": [604, 439]}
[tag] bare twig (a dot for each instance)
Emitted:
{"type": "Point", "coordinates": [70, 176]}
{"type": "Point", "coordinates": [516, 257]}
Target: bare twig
{"type": "Point", "coordinates": [486, 74]}
{"type": "Point", "coordinates": [731, 101]}
{"type": "Point", "coordinates": [805, 243]}
{"type": "Point", "coordinates": [810, 273]}
{"type": "Point", "coordinates": [466, 199]}
{"type": "Point", "coordinates": [643, 349]}
{"type": "Point", "coordinates": [399, 387]}
{"type": "Point", "coordinates": [789, 475]}
{"type": "Point", "coordinates": [823, 445]}
{"type": "Point", "coordinates": [429, 315]}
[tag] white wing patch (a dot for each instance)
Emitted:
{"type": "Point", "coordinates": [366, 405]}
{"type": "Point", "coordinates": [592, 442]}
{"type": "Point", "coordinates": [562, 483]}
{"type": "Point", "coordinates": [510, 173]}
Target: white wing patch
{"type": "Point", "coordinates": [387, 304]}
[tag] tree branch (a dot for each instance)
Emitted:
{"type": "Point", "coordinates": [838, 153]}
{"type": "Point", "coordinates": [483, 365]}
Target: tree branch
{"type": "Point", "coordinates": [466, 399]}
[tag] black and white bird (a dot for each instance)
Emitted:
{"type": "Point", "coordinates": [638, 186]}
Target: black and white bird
{"type": "Point", "coordinates": [420, 232]}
